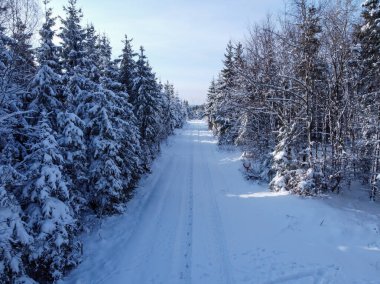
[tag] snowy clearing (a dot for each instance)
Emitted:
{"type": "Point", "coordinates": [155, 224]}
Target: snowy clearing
{"type": "Point", "coordinates": [196, 220]}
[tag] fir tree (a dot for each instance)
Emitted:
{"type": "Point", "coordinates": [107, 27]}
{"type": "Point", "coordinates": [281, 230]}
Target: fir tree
{"type": "Point", "coordinates": [147, 108]}
{"type": "Point", "coordinates": [210, 104]}
{"type": "Point", "coordinates": [45, 199]}
{"type": "Point", "coordinates": [225, 108]}
{"type": "Point", "coordinates": [14, 238]}
{"type": "Point", "coordinates": [77, 86]}
{"type": "Point", "coordinates": [72, 36]}
{"type": "Point", "coordinates": [113, 141]}
{"type": "Point", "coordinates": [128, 69]}
{"type": "Point", "coordinates": [46, 86]}
{"type": "Point", "coordinates": [24, 58]}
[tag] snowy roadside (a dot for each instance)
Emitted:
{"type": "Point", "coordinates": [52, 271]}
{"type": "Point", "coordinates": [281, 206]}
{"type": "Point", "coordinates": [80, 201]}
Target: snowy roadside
{"type": "Point", "coordinates": [275, 237]}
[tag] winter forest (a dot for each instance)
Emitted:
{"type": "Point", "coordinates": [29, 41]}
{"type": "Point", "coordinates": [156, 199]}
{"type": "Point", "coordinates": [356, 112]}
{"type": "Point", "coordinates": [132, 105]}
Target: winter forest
{"type": "Point", "coordinates": [87, 135]}
{"type": "Point", "coordinates": [77, 131]}
{"type": "Point", "coordinates": [301, 97]}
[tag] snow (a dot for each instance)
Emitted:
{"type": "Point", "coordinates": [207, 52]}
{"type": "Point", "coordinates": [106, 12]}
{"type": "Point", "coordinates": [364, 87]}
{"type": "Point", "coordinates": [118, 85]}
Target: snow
{"type": "Point", "coordinates": [195, 219]}
{"type": "Point", "coordinates": [48, 227]}
{"type": "Point", "coordinates": [15, 264]}
{"type": "Point", "coordinates": [279, 155]}
{"type": "Point", "coordinates": [25, 280]}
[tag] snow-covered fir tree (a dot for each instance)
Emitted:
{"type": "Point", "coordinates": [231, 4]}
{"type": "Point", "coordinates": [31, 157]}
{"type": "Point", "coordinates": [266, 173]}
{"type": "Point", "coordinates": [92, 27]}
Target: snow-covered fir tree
{"type": "Point", "coordinates": [113, 138]}
{"type": "Point", "coordinates": [223, 105]}
{"type": "Point", "coordinates": [24, 57]}
{"type": "Point", "coordinates": [130, 141]}
{"type": "Point", "coordinates": [15, 237]}
{"type": "Point", "coordinates": [173, 110]}
{"type": "Point", "coordinates": [147, 108]}
{"type": "Point", "coordinates": [46, 86]}
{"type": "Point", "coordinates": [46, 202]}
{"type": "Point", "coordinates": [46, 197]}
{"type": "Point", "coordinates": [76, 87]}
{"type": "Point", "coordinates": [128, 69]}
{"type": "Point", "coordinates": [210, 104]}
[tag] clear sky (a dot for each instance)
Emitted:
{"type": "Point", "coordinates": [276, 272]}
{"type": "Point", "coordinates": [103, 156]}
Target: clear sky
{"type": "Point", "coordinates": [184, 39]}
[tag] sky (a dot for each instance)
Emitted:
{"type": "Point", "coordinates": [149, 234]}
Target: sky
{"type": "Point", "coordinates": [184, 39]}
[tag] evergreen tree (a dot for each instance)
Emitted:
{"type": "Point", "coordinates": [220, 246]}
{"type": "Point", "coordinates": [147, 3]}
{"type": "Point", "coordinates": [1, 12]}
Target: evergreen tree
{"type": "Point", "coordinates": [210, 104]}
{"type": "Point", "coordinates": [24, 59]}
{"type": "Point", "coordinates": [14, 238]}
{"type": "Point", "coordinates": [225, 87]}
{"type": "Point", "coordinates": [128, 69]}
{"type": "Point", "coordinates": [147, 108]}
{"type": "Point", "coordinates": [226, 94]}
{"type": "Point", "coordinates": [46, 196]}
{"type": "Point", "coordinates": [92, 54]}
{"type": "Point", "coordinates": [12, 94]}
{"type": "Point", "coordinates": [46, 86]}
{"type": "Point", "coordinates": [113, 136]}
{"type": "Point", "coordinates": [173, 110]}
{"type": "Point", "coordinates": [72, 142]}
{"type": "Point", "coordinates": [369, 43]}
{"type": "Point", "coordinates": [77, 86]}
{"type": "Point", "coordinates": [72, 36]}
{"type": "Point", "coordinates": [45, 199]}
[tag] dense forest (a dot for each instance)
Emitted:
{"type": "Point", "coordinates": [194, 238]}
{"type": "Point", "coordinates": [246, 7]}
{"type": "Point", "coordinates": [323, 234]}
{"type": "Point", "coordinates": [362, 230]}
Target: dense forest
{"type": "Point", "coordinates": [302, 97]}
{"type": "Point", "coordinates": [77, 131]}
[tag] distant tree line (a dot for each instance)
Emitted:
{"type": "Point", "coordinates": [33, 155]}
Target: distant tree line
{"type": "Point", "coordinates": [302, 97]}
{"type": "Point", "coordinates": [196, 111]}
{"type": "Point", "coordinates": [77, 131]}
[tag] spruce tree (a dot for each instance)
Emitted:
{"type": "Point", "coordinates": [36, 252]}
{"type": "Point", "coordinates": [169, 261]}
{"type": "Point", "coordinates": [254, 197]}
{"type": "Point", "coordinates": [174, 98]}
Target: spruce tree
{"type": "Point", "coordinates": [72, 38]}
{"type": "Point", "coordinates": [46, 202]}
{"type": "Point", "coordinates": [147, 108]}
{"type": "Point", "coordinates": [15, 238]}
{"type": "Point", "coordinates": [24, 57]}
{"type": "Point", "coordinates": [210, 104]}
{"type": "Point", "coordinates": [129, 135]}
{"type": "Point", "coordinates": [227, 93]}
{"type": "Point", "coordinates": [47, 194]}
{"type": "Point", "coordinates": [128, 69]}
{"type": "Point", "coordinates": [46, 86]}
{"type": "Point", "coordinates": [72, 119]}
{"type": "Point", "coordinates": [113, 137]}
{"type": "Point", "coordinates": [12, 102]}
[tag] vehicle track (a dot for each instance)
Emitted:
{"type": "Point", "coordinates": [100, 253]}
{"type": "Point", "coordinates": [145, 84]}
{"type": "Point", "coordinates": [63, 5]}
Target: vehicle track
{"type": "Point", "coordinates": [216, 224]}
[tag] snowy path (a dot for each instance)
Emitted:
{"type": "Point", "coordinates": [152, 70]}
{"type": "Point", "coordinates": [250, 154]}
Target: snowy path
{"type": "Point", "coordinates": [196, 220]}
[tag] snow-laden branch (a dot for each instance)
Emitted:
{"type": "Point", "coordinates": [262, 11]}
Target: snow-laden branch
{"type": "Point", "coordinates": [7, 116]}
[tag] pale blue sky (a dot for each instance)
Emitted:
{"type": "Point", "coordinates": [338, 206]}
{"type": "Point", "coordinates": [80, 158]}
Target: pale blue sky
{"type": "Point", "coordinates": [184, 40]}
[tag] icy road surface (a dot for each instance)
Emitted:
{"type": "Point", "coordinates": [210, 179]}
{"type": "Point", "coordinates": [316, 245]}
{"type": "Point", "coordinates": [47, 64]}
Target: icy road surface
{"type": "Point", "coordinates": [196, 220]}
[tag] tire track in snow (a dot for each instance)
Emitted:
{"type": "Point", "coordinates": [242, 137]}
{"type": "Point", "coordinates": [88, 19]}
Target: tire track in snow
{"type": "Point", "coordinates": [215, 230]}
{"type": "Point", "coordinates": [162, 238]}
{"type": "Point", "coordinates": [143, 241]}
{"type": "Point", "coordinates": [189, 221]}
{"type": "Point", "coordinates": [174, 244]}
{"type": "Point", "coordinates": [123, 242]}
{"type": "Point", "coordinates": [218, 230]}
{"type": "Point", "coordinates": [182, 258]}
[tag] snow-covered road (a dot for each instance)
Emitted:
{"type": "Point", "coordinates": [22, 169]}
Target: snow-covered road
{"type": "Point", "coordinates": [196, 220]}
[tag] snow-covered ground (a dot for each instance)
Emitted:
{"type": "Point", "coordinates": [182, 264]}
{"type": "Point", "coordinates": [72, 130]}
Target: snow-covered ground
{"type": "Point", "coordinates": [196, 220]}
